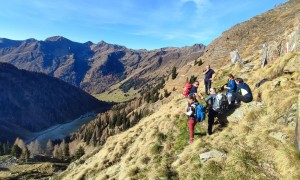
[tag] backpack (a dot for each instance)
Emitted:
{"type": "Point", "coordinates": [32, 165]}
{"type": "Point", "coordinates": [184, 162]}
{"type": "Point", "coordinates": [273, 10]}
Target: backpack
{"type": "Point", "coordinates": [200, 113]}
{"type": "Point", "coordinates": [220, 103]}
{"type": "Point", "coordinates": [187, 89]}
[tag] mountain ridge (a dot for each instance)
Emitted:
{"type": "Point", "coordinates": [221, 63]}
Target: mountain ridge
{"type": "Point", "coordinates": [91, 66]}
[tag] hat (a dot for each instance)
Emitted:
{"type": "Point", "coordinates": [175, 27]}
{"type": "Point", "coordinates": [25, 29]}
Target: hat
{"type": "Point", "coordinates": [212, 89]}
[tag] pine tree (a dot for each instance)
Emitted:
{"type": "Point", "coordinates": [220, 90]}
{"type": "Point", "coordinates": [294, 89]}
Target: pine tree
{"type": "Point", "coordinates": [6, 148]}
{"type": "Point", "coordinates": [174, 73]}
{"type": "Point", "coordinates": [26, 154]}
{"type": "Point", "coordinates": [193, 79]}
{"type": "Point", "coordinates": [166, 93]}
{"type": "Point", "coordinates": [49, 147]}
{"type": "Point", "coordinates": [80, 152]}
{"type": "Point", "coordinates": [147, 97]}
{"type": "Point", "coordinates": [57, 152]}
{"type": "Point", "coordinates": [1, 149]}
{"type": "Point", "coordinates": [16, 151]}
{"type": "Point", "coordinates": [65, 149]}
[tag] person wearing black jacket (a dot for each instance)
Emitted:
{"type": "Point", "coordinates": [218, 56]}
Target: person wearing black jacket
{"type": "Point", "coordinates": [243, 92]}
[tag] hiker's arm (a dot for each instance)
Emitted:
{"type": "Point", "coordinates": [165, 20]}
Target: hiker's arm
{"type": "Point", "coordinates": [199, 96]}
{"type": "Point", "coordinates": [213, 76]}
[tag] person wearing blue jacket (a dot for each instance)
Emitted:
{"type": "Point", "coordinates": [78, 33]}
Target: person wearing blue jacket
{"type": "Point", "coordinates": [231, 88]}
{"type": "Point", "coordinates": [243, 92]}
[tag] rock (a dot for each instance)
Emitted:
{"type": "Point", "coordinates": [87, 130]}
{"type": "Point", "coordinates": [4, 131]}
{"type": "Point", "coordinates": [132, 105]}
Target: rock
{"type": "Point", "coordinates": [264, 56]}
{"type": "Point", "coordinates": [275, 84]}
{"type": "Point", "coordinates": [239, 113]}
{"type": "Point", "coordinates": [280, 136]}
{"type": "Point", "coordinates": [235, 57]}
{"type": "Point", "coordinates": [213, 154]}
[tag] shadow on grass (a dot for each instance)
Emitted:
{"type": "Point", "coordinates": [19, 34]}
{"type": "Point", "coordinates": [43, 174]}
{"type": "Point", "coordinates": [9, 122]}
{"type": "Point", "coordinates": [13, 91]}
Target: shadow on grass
{"type": "Point", "coordinates": [222, 120]}
{"type": "Point", "coordinates": [4, 169]}
{"type": "Point", "coordinates": [200, 134]}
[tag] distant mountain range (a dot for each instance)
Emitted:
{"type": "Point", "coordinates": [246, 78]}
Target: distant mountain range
{"type": "Point", "coordinates": [32, 102]}
{"type": "Point", "coordinates": [95, 67]}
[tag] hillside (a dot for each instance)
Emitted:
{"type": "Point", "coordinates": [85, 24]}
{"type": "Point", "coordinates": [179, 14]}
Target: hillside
{"type": "Point", "coordinates": [96, 67]}
{"type": "Point", "coordinates": [257, 140]}
{"type": "Point", "coordinates": [32, 102]}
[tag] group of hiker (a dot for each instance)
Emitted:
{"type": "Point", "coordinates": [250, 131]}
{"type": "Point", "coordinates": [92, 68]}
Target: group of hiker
{"type": "Point", "coordinates": [216, 103]}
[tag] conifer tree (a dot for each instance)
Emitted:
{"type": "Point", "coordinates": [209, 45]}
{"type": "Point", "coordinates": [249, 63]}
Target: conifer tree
{"type": "Point", "coordinates": [49, 147]}
{"type": "Point", "coordinates": [174, 73]}
{"type": "Point", "coordinates": [16, 151]}
{"type": "Point", "coordinates": [26, 154]}
{"type": "Point", "coordinates": [1, 149]}
{"type": "Point", "coordinates": [80, 152]}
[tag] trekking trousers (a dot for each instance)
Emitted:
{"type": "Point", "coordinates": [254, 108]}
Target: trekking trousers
{"type": "Point", "coordinates": [207, 84]}
{"type": "Point", "coordinates": [211, 119]}
{"type": "Point", "coordinates": [191, 125]}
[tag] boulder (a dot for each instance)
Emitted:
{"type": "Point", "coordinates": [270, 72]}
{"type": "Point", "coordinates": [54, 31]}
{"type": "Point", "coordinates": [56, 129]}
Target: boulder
{"type": "Point", "coordinates": [240, 112]}
{"type": "Point", "coordinates": [213, 154]}
{"type": "Point", "coordinates": [235, 57]}
{"type": "Point", "coordinates": [280, 136]}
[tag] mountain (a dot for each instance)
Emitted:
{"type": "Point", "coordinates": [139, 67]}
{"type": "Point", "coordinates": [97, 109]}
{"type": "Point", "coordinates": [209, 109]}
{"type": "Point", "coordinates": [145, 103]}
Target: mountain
{"type": "Point", "coordinates": [275, 28]}
{"type": "Point", "coordinates": [253, 141]}
{"type": "Point", "coordinates": [95, 67]}
{"type": "Point", "coordinates": [31, 102]}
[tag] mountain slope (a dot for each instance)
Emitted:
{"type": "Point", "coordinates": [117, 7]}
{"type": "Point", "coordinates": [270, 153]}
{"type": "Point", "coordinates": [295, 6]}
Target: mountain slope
{"type": "Point", "coordinates": [95, 67]}
{"type": "Point", "coordinates": [257, 141]}
{"type": "Point", "coordinates": [275, 28]}
{"type": "Point", "coordinates": [31, 102]}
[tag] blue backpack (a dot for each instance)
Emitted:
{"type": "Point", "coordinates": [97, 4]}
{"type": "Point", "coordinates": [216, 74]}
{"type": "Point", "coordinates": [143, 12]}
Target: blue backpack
{"type": "Point", "coordinates": [200, 113]}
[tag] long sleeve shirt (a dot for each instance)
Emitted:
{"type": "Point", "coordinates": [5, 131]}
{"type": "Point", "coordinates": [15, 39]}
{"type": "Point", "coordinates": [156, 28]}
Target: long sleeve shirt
{"type": "Point", "coordinates": [231, 84]}
{"type": "Point", "coordinates": [191, 110]}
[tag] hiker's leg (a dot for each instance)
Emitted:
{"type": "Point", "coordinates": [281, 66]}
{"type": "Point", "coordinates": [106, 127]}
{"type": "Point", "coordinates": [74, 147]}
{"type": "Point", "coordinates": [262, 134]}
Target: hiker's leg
{"type": "Point", "coordinates": [206, 86]}
{"type": "Point", "coordinates": [191, 124]}
{"type": "Point", "coordinates": [211, 117]}
{"type": "Point", "coordinates": [209, 84]}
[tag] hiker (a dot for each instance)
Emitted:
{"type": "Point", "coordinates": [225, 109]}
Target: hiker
{"type": "Point", "coordinates": [212, 113]}
{"type": "Point", "coordinates": [208, 76]}
{"type": "Point", "coordinates": [243, 92]}
{"type": "Point", "coordinates": [194, 90]}
{"type": "Point", "coordinates": [191, 113]}
{"type": "Point", "coordinates": [231, 88]}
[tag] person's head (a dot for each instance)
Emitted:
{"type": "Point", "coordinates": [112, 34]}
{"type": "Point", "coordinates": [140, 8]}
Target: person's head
{"type": "Point", "coordinates": [196, 84]}
{"type": "Point", "coordinates": [212, 90]}
{"type": "Point", "coordinates": [191, 98]}
{"type": "Point", "coordinates": [239, 80]}
{"type": "Point", "coordinates": [208, 67]}
{"type": "Point", "coordinates": [230, 77]}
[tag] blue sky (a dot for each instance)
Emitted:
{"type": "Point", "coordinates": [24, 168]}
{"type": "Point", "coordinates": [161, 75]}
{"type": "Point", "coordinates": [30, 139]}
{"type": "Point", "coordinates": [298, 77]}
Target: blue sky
{"type": "Point", "coordinates": [137, 24]}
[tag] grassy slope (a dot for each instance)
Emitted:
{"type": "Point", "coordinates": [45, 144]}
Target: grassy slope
{"type": "Point", "coordinates": [157, 147]}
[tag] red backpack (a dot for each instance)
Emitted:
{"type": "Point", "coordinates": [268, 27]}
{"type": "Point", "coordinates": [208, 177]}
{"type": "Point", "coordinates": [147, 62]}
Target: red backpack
{"type": "Point", "coordinates": [186, 89]}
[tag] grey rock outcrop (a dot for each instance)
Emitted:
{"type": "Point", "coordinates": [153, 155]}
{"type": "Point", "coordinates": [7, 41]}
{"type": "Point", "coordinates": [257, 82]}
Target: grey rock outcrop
{"type": "Point", "coordinates": [235, 57]}
{"type": "Point", "coordinates": [213, 154]}
{"type": "Point", "coordinates": [239, 114]}
{"type": "Point", "coordinates": [280, 136]}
